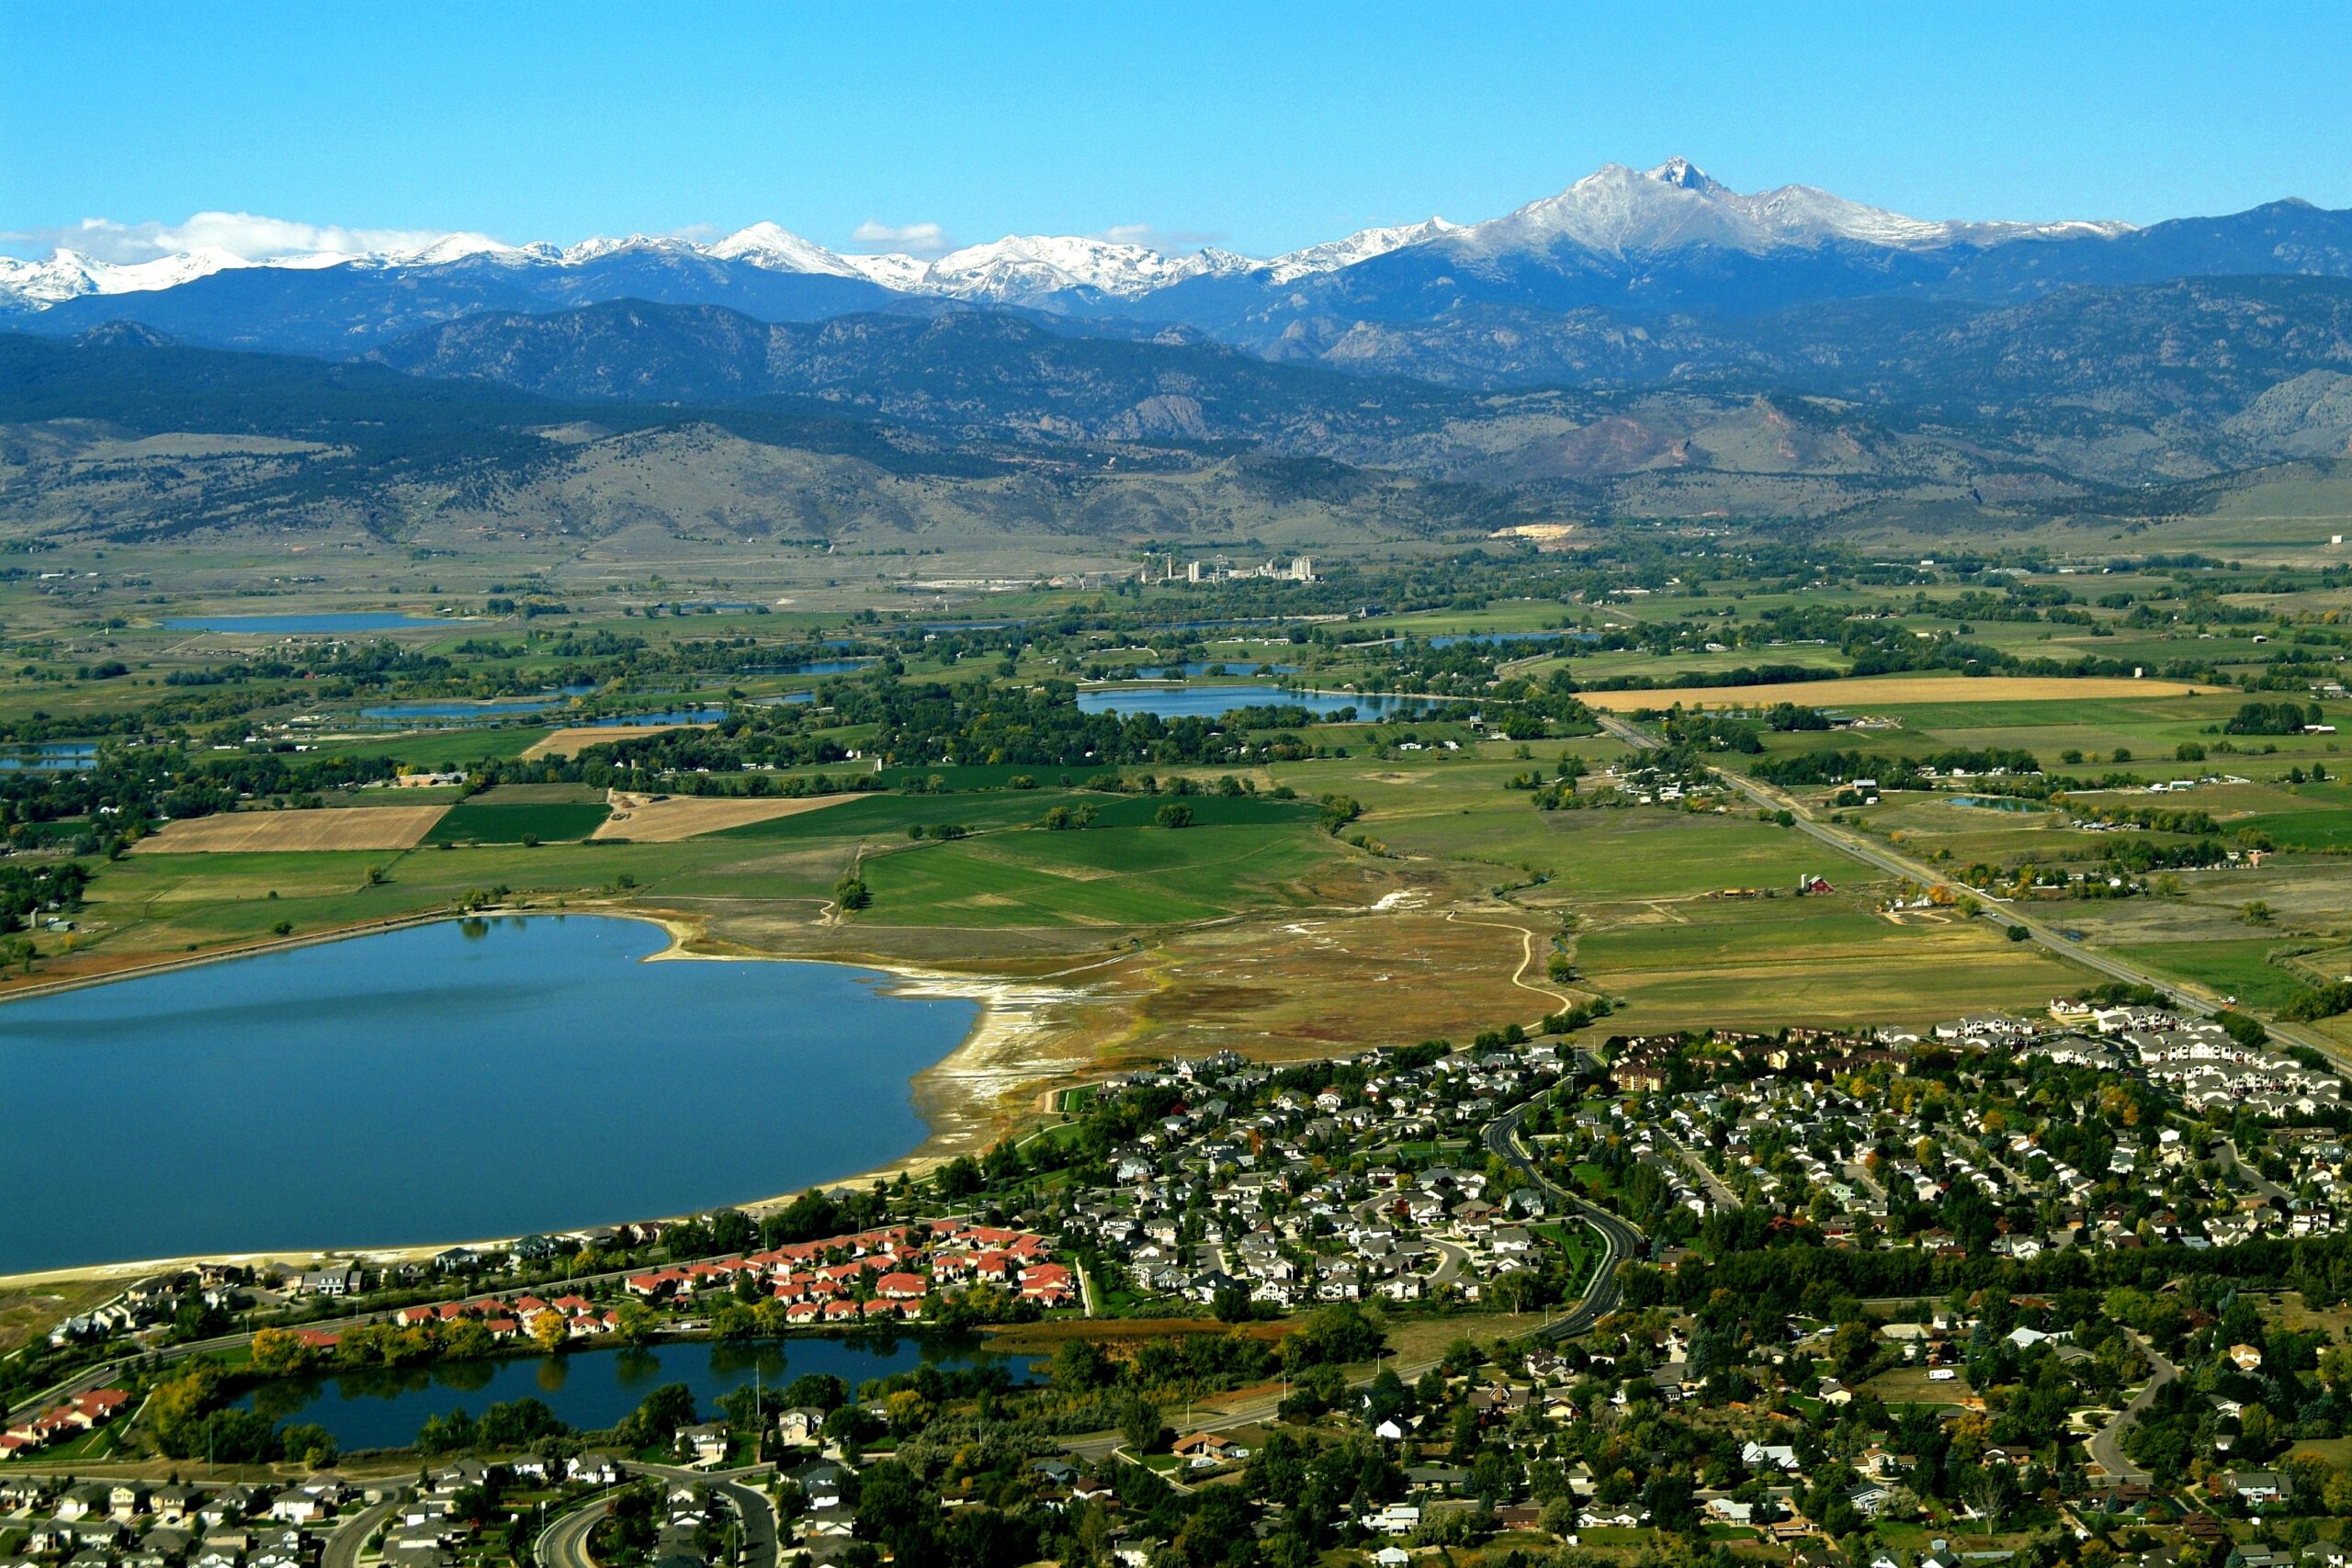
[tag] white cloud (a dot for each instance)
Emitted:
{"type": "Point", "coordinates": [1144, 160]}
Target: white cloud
{"type": "Point", "coordinates": [246, 235]}
{"type": "Point", "coordinates": [1151, 237]}
{"type": "Point", "coordinates": [915, 239]}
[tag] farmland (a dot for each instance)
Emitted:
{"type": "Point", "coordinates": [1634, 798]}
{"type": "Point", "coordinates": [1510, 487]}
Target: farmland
{"type": "Point", "coordinates": [382, 828]}
{"type": "Point", "coordinates": [1286, 890]}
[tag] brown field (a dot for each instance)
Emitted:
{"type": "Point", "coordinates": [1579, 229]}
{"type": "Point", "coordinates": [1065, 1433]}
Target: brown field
{"type": "Point", "coordinates": [1890, 691]}
{"type": "Point", "coordinates": [564, 742]}
{"type": "Point", "coordinates": [370, 827]}
{"type": "Point", "coordinates": [672, 818]}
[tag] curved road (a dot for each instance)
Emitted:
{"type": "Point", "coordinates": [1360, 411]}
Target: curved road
{"type": "Point", "coordinates": [1618, 1239]}
{"type": "Point", "coordinates": [350, 1535]}
{"type": "Point", "coordinates": [2107, 1443]}
{"type": "Point", "coordinates": [564, 1544]}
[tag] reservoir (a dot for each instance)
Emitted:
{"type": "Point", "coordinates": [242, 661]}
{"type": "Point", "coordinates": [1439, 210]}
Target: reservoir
{"type": "Point", "coordinates": [383, 1408]}
{"type": "Point", "coordinates": [1215, 702]}
{"type": "Point", "coordinates": [456, 1081]}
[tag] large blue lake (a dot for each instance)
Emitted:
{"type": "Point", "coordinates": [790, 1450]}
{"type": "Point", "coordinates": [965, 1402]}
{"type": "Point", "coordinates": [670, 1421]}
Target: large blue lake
{"type": "Point", "coordinates": [592, 1389]}
{"type": "Point", "coordinates": [306, 625]}
{"type": "Point", "coordinates": [454, 1081]}
{"type": "Point", "coordinates": [1213, 702]}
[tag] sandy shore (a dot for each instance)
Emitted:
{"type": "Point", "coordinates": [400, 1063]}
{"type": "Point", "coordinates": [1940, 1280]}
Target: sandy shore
{"type": "Point", "coordinates": [965, 1097]}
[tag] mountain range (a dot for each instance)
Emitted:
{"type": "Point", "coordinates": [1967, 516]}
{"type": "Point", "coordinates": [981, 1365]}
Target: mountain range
{"type": "Point", "coordinates": [1645, 343]}
{"type": "Point", "coordinates": [1646, 242]}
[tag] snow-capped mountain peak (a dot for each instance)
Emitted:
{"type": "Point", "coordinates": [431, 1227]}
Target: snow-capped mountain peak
{"type": "Point", "coordinates": [1621, 214]}
{"type": "Point", "coordinates": [1618, 211]}
{"type": "Point", "coordinates": [1362, 245]}
{"type": "Point", "coordinates": [1684, 174]}
{"type": "Point", "coordinates": [69, 274]}
{"type": "Point", "coordinates": [780, 249]}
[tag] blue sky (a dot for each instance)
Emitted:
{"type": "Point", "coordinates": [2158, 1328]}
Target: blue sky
{"type": "Point", "coordinates": [1264, 127]}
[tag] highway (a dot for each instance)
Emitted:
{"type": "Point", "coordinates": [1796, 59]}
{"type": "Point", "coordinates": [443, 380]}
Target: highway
{"type": "Point", "coordinates": [2000, 912]}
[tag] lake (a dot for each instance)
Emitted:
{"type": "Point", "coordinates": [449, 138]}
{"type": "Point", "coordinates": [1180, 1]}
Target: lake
{"type": "Point", "coordinates": [674, 716]}
{"type": "Point", "coordinates": [1213, 701]}
{"type": "Point", "coordinates": [448, 1082]}
{"type": "Point", "coordinates": [383, 1408]}
{"type": "Point", "coordinates": [307, 626]}
{"type": "Point", "coordinates": [49, 757]}
{"type": "Point", "coordinates": [1997, 803]}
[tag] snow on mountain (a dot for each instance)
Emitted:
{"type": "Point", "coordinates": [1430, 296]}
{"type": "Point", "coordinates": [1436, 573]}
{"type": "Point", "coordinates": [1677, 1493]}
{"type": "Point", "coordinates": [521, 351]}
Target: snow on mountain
{"type": "Point", "coordinates": [69, 274]}
{"type": "Point", "coordinates": [1362, 245]}
{"type": "Point", "coordinates": [779, 250]}
{"type": "Point", "coordinates": [1618, 211]}
{"type": "Point", "coordinates": [1028, 268]}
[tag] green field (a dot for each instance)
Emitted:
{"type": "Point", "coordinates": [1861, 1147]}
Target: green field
{"type": "Point", "coordinates": [1106, 877]}
{"type": "Point", "coordinates": [481, 822]}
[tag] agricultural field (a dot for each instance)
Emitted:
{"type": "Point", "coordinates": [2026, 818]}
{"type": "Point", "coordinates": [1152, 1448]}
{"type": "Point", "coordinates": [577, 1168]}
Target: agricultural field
{"type": "Point", "coordinates": [516, 814]}
{"type": "Point", "coordinates": [663, 819]}
{"type": "Point", "coordinates": [351, 828]}
{"type": "Point", "coordinates": [1431, 899]}
{"type": "Point", "coordinates": [1870, 692]}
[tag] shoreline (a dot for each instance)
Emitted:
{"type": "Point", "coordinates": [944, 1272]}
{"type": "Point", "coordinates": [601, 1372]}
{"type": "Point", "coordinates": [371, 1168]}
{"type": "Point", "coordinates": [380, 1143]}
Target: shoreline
{"type": "Point", "coordinates": [955, 1096]}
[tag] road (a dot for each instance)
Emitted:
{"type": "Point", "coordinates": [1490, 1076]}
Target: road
{"type": "Point", "coordinates": [2253, 1178]}
{"type": "Point", "coordinates": [1618, 1239]}
{"type": "Point", "coordinates": [342, 1546]}
{"type": "Point", "coordinates": [1502, 1136]}
{"type": "Point", "coordinates": [1725, 1198]}
{"type": "Point", "coordinates": [2107, 1443]}
{"type": "Point", "coordinates": [2000, 912]}
{"type": "Point", "coordinates": [564, 1543]}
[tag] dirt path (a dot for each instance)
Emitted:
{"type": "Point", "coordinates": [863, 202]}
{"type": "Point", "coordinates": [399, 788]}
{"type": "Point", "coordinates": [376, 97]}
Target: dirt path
{"type": "Point", "coordinates": [1526, 957]}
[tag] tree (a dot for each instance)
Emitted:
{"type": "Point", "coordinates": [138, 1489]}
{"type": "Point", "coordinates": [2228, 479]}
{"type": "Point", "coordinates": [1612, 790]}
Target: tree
{"type": "Point", "coordinates": [851, 893]}
{"type": "Point", "coordinates": [657, 1419]}
{"type": "Point", "coordinates": [550, 1331]}
{"type": "Point", "coordinates": [280, 1352]}
{"type": "Point", "coordinates": [634, 1322]}
{"type": "Point", "coordinates": [1080, 1365]}
{"type": "Point", "coordinates": [1175, 814]}
{"type": "Point", "coordinates": [308, 1445]}
{"type": "Point", "coordinates": [1140, 1424]}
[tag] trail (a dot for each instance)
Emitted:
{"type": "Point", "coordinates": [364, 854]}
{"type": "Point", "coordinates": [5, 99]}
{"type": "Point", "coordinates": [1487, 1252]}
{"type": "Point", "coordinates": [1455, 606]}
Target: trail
{"type": "Point", "coordinates": [1526, 958]}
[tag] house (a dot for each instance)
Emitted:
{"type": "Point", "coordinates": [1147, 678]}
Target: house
{"type": "Point", "coordinates": [707, 1443]}
{"type": "Point", "coordinates": [596, 1470]}
{"type": "Point", "coordinates": [822, 1482]}
{"type": "Point", "coordinates": [343, 1280]}
{"type": "Point", "coordinates": [1397, 1518]}
{"type": "Point", "coordinates": [801, 1425]}
{"type": "Point", "coordinates": [1207, 1447]}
